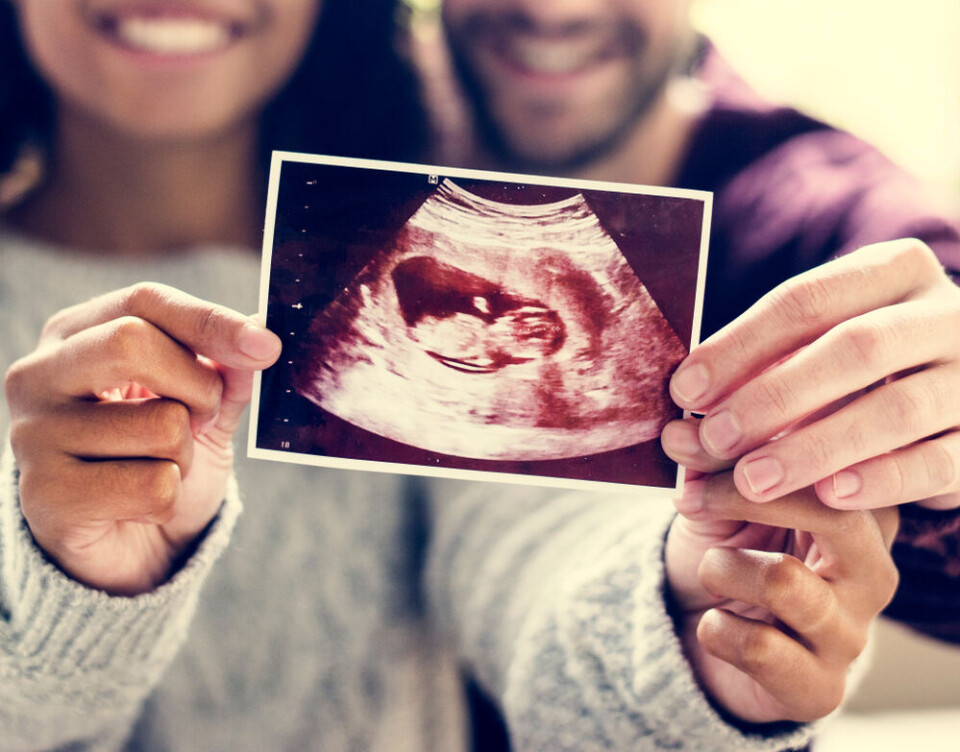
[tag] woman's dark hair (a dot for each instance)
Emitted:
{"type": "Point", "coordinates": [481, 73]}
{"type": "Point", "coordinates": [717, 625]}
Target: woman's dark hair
{"type": "Point", "coordinates": [352, 95]}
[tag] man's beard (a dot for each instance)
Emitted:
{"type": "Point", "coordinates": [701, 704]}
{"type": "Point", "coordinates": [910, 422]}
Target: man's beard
{"type": "Point", "coordinates": [496, 141]}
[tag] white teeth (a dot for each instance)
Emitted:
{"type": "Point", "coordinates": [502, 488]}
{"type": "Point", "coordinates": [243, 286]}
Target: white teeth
{"type": "Point", "coordinates": [551, 56]}
{"type": "Point", "coordinates": [173, 36]}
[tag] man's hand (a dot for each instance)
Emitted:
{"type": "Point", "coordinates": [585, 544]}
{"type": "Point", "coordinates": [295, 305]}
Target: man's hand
{"type": "Point", "coordinates": [855, 366]}
{"type": "Point", "coordinates": [122, 427]}
{"type": "Point", "coordinates": [776, 600]}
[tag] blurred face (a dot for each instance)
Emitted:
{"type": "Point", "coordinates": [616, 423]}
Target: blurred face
{"type": "Point", "coordinates": [560, 83]}
{"type": "Point", "coordinates": [167, 68]}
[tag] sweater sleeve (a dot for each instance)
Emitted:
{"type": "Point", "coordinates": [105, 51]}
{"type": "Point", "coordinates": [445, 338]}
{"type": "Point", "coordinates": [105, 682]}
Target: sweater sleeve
{"type": "Point", "coordinates": [75, 663]}
{"type": "Point", "coordinates": [555, 601]}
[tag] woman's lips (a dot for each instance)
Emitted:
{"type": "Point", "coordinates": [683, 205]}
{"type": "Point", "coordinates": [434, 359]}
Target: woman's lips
{"type": "Point", "coordinates": [169, 33]}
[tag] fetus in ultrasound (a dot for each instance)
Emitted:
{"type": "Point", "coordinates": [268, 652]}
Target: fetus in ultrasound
{"type": "Point", "coordinates": [468, 323]}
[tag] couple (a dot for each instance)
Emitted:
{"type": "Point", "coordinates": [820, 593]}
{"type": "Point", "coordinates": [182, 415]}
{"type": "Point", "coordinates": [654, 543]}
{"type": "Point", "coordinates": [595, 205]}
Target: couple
{"type": "Point", "coordinates": [140, 609]}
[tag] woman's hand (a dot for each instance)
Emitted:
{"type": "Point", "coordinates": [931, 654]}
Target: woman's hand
{"type": "Point", "coordinates": [776, 600]}
{"type": "Point", "coordinates": [122, 423]}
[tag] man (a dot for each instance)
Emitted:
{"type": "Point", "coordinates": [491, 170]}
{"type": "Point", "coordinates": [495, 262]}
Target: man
{"type": "Point", "coordinates": [857, 362]}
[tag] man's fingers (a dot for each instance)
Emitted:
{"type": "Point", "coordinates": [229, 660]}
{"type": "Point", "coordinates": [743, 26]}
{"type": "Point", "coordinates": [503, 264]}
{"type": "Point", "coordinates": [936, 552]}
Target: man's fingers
{"type": "Point", "coordinates": [892, 416]}
{"type": "Point", "coordinates": [779, 664]}
{"type": "Point", "coordinates": [215, 331]}
{"type": "Point", "coordinates": [797, 313]}
{"type": "Point", "coordinates": [845, 360]}
{"type": "Point", "coordinates": [928, 471]}
{"type": "Point", "coordinates": [784, 586]}
{"type": "Point", "coordinates": [681, 442]}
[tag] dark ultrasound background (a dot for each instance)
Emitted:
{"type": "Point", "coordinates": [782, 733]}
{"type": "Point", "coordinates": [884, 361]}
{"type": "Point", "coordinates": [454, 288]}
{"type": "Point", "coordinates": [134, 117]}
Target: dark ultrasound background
{"type": "Point", "coordinates": [331, 221]}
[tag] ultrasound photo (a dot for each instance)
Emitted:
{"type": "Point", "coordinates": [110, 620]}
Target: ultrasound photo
{"type": "Point", "coordinates": [479, 325]}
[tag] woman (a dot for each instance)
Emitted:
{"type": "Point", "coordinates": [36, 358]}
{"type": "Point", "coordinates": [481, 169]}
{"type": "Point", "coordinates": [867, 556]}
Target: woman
{"type": "Point", "coordinates": [155, 123]}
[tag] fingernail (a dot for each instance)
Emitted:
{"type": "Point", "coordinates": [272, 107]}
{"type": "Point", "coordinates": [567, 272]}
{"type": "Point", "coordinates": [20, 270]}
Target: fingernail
{"type": "Point", "coordinates": [692, 501]}
{"type": "Point", "coordinates": [681, 438]}
{"type": "Point", "coordinates": [763, 473]}
{"type": "Point", "coordinates": [691, 383]}
{"type": "Point", "coordinates": [721, 432]}
{"type": "Point", "coordinates": [846, 483]}
{"type": "Point", "coordinates": [258, 343]}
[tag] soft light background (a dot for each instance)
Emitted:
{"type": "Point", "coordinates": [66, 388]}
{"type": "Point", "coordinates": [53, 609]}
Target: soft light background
{"type": "Point", "coordinates": [888, 71]}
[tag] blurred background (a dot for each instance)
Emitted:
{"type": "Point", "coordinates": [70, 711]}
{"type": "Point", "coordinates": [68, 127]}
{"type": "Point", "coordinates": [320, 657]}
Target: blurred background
{"type": "Point", "coordinates": [889, 72]}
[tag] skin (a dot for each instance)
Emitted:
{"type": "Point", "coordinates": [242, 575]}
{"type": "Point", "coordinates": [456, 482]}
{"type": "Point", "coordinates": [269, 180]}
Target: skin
{"type": "Point", "coordinates": [169, 141]}
{"type": "Point", "coordinates": [777, 599]}
{"type": "Point", "coordinates": [877, 427]}
{"type": "Point", "coordinates": [132, 399]}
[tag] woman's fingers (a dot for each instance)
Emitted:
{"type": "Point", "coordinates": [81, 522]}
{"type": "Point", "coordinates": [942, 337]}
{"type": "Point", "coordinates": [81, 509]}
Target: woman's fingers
{"type": "Point", "coordinates": [143, 490]}
{"type": "Point", "coordinates": [792, 675]}
{"type": "Point", "coordinates": [154, 428]}
{"type": "Point", "coordinates": [122, 423]}
{"type": "Point", "coordinates": [784, 586]}
{"type": "Point", "coordinates": [895, 415]}
{"type": "Point", "coordinates": [216, 332]}
{"type": "Point", "coordinates": [852, 541]}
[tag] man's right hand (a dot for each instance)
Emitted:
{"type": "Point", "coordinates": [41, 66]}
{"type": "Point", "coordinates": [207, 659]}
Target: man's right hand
{"type": "Point", "coordinates": [122, 423]}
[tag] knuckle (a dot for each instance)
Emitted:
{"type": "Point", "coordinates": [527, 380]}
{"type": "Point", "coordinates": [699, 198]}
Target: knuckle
{"type": "Point", "coordinates": [826, 700]}
{"type": "Point", "coordinates": [941, 467]}
{"type": "Point", "coordinates": [143, 296]}
{"type": "Point", "coordinates": [162, 487]}
{"type": "Point", "coordinates": [736, 341]}
{"type": "Point", "coordinates": [806, 300]}
{"type": "Point", "coordinates": [895, 476]}
{"type": "Point", "coordinates": [865, 344]}
{"type": "Point", "coordinates": [125, 340]}
{"type": "Point", "coordinates": [208, 323]}
{"type": "Point", "coordinates": [774, 391]}
{"type": "Point", "coordinates": [169, 425]}
{"type": "Point", "coordinates": [23, 439]}
{"type": "Point", "coordinates": [853, 524]}
{"type": "Point", "coordinates": [821, 451]}
{"type": "Point", "coordinates": [780, 582]}
{"type": "Point", "coordinates": [888, 580]}
{"type": "Point", "coordinates": [918, 255]}
{"type": "Point", "coordinates": [16, 380]}
{"type": "Point", "coordinates": [906, 409]}
{"type": "Point", "coordinates": [757, 651]}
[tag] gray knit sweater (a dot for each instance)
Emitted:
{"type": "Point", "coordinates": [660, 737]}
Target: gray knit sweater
{"type": "Point", "coordinates": [337, 611]}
